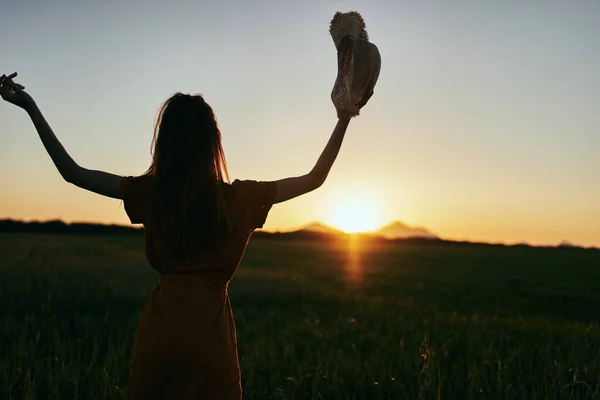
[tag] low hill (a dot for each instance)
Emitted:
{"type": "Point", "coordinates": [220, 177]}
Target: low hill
{"type": "Point", "coordinates": [319, 227]}
{"type": "Point", "coordinates": [399, 230]}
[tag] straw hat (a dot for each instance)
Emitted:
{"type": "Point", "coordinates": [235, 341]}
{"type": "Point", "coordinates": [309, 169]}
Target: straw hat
{"type": "Point", "coordinates": [359, 62]}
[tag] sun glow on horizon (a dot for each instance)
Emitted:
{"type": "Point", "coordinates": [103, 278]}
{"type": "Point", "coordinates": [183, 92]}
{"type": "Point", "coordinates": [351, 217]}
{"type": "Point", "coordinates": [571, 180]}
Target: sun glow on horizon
{"type": "Point", "coordinates": [354, 217]}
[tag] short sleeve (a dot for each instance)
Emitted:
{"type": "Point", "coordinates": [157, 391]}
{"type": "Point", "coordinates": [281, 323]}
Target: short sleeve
{"type": "Point", "coordinates": [255, 199]}
{"type": "Point", "coordinates": [134, 190]}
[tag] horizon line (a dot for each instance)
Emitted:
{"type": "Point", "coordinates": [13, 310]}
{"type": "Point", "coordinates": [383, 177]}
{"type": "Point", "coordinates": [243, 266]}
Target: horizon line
{"type": "Point", "coordinates": [334, 230]}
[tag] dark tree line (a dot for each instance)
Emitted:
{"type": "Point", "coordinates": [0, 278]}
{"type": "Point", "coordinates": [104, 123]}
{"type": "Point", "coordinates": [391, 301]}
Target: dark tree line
{"type": "Point", "coordinates": [58, 227]}
{"type": "Point", "coordinates": [82, 228]}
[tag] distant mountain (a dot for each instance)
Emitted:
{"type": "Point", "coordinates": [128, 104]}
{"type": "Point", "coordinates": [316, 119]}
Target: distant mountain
{"type": "Point", "coordinates": [566, 243]}
{"type": "Point", "coordinates": [395, 230]}
{"type": "Point", "coordinates": [399, 230]}
{"type": "Point", "coordinates": [320, 228]}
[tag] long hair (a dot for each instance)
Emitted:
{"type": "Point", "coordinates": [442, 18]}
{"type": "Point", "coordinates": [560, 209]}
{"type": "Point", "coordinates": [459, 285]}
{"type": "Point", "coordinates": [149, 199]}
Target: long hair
{"type": "Point", "coordinates": [189, 167]}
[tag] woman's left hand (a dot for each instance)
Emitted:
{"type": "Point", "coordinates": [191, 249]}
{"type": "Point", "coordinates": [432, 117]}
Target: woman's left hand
{"type": "Point", "coordinates": [14, 93]}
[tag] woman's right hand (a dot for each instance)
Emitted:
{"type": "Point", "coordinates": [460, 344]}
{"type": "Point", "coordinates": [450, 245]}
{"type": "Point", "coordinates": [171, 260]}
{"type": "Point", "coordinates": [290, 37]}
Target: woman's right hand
{"type": "Point", "coordinates": [14, 93]}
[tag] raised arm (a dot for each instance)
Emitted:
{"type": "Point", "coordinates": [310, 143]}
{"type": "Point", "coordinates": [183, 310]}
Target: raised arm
{"type": "Point", "coordinates": [99, 182]}
{"type": "Point", "coordinates": [289, 188]}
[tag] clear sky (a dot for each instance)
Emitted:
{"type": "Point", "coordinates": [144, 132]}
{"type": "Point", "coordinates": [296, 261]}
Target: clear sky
{"type": "Point", "coordinates": [485, 123]}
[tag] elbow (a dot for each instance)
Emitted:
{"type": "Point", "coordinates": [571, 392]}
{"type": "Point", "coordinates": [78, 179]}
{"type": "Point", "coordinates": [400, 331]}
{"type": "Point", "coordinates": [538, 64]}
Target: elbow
{"type": "Point", "coordinates": [317, 180]}
{"type": "Point", "coordinates": [72, 176]}
{"type": "Point", "coordinates": [70, 179]}
{"type": "Point", "coordinates": [320, 182]}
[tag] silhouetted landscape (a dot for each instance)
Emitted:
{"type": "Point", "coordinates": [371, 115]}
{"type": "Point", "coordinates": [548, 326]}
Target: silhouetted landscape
{"type": "Point", "coordinates": [394, 232]}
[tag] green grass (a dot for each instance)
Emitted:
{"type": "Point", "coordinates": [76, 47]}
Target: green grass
{"type": "Point", "coordinates": [316, 320]}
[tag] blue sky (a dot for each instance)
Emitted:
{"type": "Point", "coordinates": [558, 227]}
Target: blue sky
{"type": "Point", "coordinates": [484, 124]}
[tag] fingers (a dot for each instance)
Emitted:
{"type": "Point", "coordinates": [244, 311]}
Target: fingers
{"type": "Point", "coordinates": [3, 78]}
{"type": "Point", "coordinates": [7, 81]}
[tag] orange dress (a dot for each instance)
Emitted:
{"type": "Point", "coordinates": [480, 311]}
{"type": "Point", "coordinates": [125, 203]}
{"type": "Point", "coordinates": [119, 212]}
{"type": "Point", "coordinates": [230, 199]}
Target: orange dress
{"type": "Point", "coordinates": [186, 340]}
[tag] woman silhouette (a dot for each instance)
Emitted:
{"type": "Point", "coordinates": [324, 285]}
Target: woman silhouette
{"type": "Point", "coordinates": [197, 226]}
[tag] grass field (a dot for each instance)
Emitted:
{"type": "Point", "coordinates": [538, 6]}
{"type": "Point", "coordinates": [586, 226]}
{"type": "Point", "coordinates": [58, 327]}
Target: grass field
{"type": "Point", "coordinates": [316, 320]}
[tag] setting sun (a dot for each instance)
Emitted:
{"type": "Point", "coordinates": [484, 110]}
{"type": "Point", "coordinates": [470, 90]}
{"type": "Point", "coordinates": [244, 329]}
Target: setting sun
{"type": "Point", "coordinates": [354, 217]}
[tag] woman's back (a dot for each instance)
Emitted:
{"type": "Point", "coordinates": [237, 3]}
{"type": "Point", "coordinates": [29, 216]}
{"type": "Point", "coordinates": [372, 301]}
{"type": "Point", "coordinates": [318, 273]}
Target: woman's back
{"type": "Point", "coordinates": [205, 235]}
{"type": "Point", "coordinates": [187, 325]}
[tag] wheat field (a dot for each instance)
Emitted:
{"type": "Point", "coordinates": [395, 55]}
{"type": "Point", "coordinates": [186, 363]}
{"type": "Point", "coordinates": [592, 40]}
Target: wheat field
{"type": "Point", "coordinates": [338, 319]}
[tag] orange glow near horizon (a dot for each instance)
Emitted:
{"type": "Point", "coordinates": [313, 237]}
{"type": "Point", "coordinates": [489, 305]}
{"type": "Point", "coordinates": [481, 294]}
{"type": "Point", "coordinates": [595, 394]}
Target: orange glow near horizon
{"type": "Point", "coordinates": [354, 267]}
{"type": "Point", "coordinates": [354, 217]}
